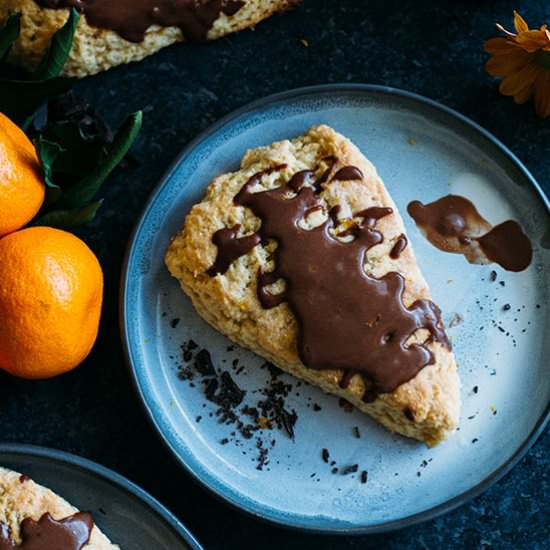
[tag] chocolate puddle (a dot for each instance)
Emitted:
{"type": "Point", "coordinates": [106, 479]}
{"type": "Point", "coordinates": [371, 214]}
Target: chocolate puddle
{"type": "Point", "coordinates": [348, 320]}
{"type": "Point", "coordinates": [131, 18]}
{"type": "Point", "coordinates": [453, 224]}
{"type": "Point", "coordinates": [71, 533]}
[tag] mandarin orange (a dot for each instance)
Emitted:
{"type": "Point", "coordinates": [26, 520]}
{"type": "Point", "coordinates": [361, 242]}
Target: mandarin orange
{"type": "Point", "coordinates": [22, 187]}
{"type": "Point", "coordinates": [51, 290]}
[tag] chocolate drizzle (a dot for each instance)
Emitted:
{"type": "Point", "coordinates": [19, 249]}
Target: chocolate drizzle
{"type": "Point", "coordinates": [71, 533]}
{"type": "Point", "coordinates": [348, 173]}
{"type": "Point", "coordinates": [348, 320]}
{"type": "Point", "coordinates": [131, 18]}
{"type": "Point", "coordinates": [231, 247]}
{"type": "Point", "coordinates": [453, 224]}
{"type": "Point", "coordinates": [399, 246]}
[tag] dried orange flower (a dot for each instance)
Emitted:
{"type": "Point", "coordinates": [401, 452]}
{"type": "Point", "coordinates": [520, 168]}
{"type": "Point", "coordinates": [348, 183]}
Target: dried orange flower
{"type": "Point", "coordinates": [523, 61]}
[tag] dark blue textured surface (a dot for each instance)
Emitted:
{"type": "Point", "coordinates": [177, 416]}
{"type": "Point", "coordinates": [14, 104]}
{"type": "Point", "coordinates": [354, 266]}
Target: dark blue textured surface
{"type": "Point", "coordinates": [431, 48]}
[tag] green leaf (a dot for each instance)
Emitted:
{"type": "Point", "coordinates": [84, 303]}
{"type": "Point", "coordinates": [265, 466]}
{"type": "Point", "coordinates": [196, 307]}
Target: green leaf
{"type": "Point", "coordinates": [80, 157]}
{"type": "Point", "coordinates": [48, 152]}
{"type": "Point", "coordinates": [86, 189]}
{"type": "Point", "coordinates": [9, 33]}
{"type": "Point", "coordinates": [70, 217]}
{"type": "Point", "coordinates": [19, 99]}
{"type": "Point", "coordinates": [55, 58]}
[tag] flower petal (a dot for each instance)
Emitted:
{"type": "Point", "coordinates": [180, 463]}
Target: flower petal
{"type": "Point", "coordinates": [503, 65]}
{"type": "Point", "coordinates": [523, 95]}
{"type": "Point", "coordinates": [519, 23]}
{"type": "Point", "coordinates": [532, 41]}
{"type": "Point", "coordinates": [500, 45]}
{"type": "Point", "coordinates": [513, 84]}
{"type": "Point", "coordinates": [541, 93]}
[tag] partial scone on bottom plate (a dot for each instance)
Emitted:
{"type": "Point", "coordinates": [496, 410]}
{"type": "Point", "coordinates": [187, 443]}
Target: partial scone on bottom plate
{"type": "Point", "coordinates": [35, 518]}
{"type": "Point", "coordinates": [302, 257]}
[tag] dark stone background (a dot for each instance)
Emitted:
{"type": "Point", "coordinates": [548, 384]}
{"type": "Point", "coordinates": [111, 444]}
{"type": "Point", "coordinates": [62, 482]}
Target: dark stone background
{"type": "Point", "coordinates": [432, 48]}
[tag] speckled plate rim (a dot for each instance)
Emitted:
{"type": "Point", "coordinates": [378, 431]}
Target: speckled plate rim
{"type": "Point", "coordinates": [218, 491]}
{"type": "Point", "coordinates": [74, 461]}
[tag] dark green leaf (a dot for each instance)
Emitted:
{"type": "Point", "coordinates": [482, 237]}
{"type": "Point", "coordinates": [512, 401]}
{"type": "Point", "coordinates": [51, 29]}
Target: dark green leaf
{"type": "Point", "coordinates": [48, 152]}
{"type": "Point", "coordinates": [86, 189]}
{"type": "Point", "coordinates": [80, 156]}
{"type": "Point", "coordinates": [55, 58]}
{"type": "Point", "coordinates": [19, 99]}
{"type": "Point", "coordinates": [70, 217]}
{"type": "Point", "coordinates": [9, 34]}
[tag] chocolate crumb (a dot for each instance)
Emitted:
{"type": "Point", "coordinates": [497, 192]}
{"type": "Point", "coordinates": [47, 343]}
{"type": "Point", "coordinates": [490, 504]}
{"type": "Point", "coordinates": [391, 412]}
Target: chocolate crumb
{"type": "Point", "coordinates": [325, 455]}
{"type": "Point", "coordinates": [345, 404]}
{"type": "Point", "coordinates": [351, 469]}
{"type": "Point", "coordinates": [198, 419]}
{"type": "Point", "coordinates": [475, 440]}
{"type": "Point", "coordinates": [235, 362]}
{"type": "Point", "coordinates": [316, 407]}
{"type": "Point", "coordinates": [334, 471]}
{"type": "Point", "coordinates": [418, 474]}
{"type": "Point", "coordinates": [364, 476]}
{"type": "Point", "coordinates": [475, 389]}
{"type": "Point", "coordinates": [224, 441]}
{"type": "Point", "coordinates": [174, 322]}
{"type": "Point", "coordinates": [506, 307]}
{"type": "Point", "coordinates": [493, 276]}
{"type": "Point", "coordinates": [191, 345]}
{"type": "Point", "coordinates": [289, 420]}
{"type": "Point", "coordinates": [502, 283]}
{"type": "Point", "coordinates": [203, 363]}
{"type": "Point", "coordinates": [356, 432]}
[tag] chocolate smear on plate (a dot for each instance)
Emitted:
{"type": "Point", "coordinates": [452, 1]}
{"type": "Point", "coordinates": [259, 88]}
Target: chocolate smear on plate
{"type": "Point", "coordinates": [453, 224]}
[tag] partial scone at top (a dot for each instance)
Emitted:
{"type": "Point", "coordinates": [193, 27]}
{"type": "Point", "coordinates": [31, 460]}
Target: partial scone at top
{"type": "Point", "coordinates": [96, 49]}
{"type": "Point", "coordinates": [22, 498]}
{"type": "Point", "coordinates": [427, 406]}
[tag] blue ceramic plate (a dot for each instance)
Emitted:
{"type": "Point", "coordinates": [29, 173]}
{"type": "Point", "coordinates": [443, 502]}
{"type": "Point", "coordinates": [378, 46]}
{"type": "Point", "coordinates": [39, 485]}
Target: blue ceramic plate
{"type": "Point", "coordinates": [422, 151]}
{"type": "Point", "coordinates": [125, 513]}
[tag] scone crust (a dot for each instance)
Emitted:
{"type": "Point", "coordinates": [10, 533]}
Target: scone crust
{"type": "Point", "coordinates": [229, 302]}
{"type": "Point", "coordinates": [95, 50]}
{"type": "Point", "coordinates": [22, 498]}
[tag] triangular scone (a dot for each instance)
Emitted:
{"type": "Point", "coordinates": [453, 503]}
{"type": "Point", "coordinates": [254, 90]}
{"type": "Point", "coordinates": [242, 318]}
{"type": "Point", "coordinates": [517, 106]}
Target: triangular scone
{"type": "Point", "coordinates": [227, 288]}
{"type": "Point", "coordinates": [21, 499]}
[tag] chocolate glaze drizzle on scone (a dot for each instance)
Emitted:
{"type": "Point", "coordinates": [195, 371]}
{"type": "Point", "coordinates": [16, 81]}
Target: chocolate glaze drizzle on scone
{"type": "Point", "coordinates": [348, 319]}
{"type": "Point", "coordinates": [132, 18]}
{"type": "Point", "coordinates": [71, 533]}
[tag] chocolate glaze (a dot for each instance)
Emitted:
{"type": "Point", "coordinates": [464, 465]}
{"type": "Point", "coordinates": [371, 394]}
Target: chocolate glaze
{"type": "Point", "coordinates": [348, 320]}
{"type": "Point", "coordinates": [507, 245]}
{"type": "Point", "coordinates": [399, 246]}
{"type": "Point", "coordinates": [71, 533]}
{"type": "Point", "coordinates": [230, 247]}
{"type": "Point", "coordinates": [348, 173]}
{"type": "Point", "coordinates": [131, 18]}
{"type": "Point", "coordinates": [453, 224]}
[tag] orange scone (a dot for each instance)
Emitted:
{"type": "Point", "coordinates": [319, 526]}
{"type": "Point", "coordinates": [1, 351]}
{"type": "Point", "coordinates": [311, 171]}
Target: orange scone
{"type": "Point", "coordinates": [302, 257]}
{"type": "Point", "coordinates": [113, 32]}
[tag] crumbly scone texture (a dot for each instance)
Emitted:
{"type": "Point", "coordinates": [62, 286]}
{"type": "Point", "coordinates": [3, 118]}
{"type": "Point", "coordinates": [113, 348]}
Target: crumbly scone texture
{"type": "Point", "coordinates": [22, 498]}
{"type": "Point", "coordinates": [229, 302]}
{"type": "Point", "coordinates": [95, 50]}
